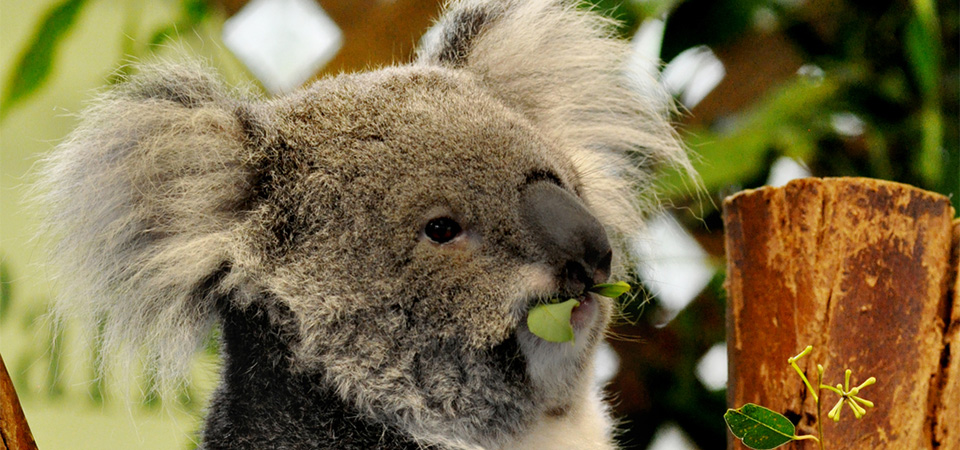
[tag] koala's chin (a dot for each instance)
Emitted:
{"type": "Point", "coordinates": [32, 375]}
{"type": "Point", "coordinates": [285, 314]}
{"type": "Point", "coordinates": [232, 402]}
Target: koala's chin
{"type": "Point", "coordinates": [370, 245]}
{"type": "Point", "coordinates": [563, 372]}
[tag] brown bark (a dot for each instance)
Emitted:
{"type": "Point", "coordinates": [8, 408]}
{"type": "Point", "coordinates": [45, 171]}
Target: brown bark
{"type": "Point", "coordinates": [947, 419]}
{"type": "Point", "coordinates": [862, 270]}
{"type": "Point", "coordinates": [14, 431]}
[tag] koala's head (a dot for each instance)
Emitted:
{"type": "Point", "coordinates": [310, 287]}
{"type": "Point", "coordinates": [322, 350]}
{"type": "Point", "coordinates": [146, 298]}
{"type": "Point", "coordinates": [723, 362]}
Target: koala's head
{"type": "Point", "coordinates": [397, 224]}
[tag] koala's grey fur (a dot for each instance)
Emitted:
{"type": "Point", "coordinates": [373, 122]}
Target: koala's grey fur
{"type": "Point", "coordinates": [297, 224]}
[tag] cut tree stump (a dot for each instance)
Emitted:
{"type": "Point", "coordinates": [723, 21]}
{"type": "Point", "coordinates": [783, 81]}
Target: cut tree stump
{"type": "Point", "coordinates": [866, 272]}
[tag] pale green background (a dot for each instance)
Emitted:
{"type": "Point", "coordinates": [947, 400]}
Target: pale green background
{"type": "Point", "coordinates": [88, 55]}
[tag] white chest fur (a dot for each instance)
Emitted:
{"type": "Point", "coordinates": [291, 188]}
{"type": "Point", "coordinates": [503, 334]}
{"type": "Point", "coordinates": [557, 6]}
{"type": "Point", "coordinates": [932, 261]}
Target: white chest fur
{"type": "Point", "coordinates": [586, 426]}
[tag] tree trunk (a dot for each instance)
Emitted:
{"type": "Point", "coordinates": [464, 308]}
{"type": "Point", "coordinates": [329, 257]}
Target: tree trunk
{"type": "Point", "coordinates": [866, 272]}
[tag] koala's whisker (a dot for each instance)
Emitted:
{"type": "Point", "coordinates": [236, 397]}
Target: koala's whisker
{"type": "Point", "coordinates": [613, 335]}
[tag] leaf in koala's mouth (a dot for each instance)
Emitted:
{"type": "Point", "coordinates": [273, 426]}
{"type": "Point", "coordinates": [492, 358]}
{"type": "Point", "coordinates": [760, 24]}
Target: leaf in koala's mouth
{"type": "Point", "coordinates": [612, 290]}
{"type": "Point", "coordinates": [551, 322]}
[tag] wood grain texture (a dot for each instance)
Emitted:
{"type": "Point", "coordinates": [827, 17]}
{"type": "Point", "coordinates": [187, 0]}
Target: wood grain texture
{"type": "Point", "coordinates": [862, 270]}
{"type": "Point", "coordinates": [14, 431]}
{"type": "Point", "coordinates": [947, 431]}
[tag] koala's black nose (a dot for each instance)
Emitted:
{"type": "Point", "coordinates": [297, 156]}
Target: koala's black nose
{"type": "Point", "coordinates": [573, 240]}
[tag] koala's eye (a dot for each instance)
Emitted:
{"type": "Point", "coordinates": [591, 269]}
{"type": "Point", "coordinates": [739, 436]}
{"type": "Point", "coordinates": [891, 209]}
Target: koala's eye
{"type": "Point", "coordinates": [442, 230]}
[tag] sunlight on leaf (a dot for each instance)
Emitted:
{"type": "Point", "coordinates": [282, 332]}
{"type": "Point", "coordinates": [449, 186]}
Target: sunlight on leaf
{"type": "Point", "coordinates": [926, 11]}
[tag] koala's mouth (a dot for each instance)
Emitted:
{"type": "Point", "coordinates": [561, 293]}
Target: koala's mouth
{"type": "Point", "coordinates": [584, 314]}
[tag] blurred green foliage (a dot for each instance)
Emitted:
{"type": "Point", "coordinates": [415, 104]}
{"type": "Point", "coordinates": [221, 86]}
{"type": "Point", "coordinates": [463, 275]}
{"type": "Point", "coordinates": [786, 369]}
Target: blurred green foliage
{"type": "Point", "coordinates": [891, 65]}
{"type": "Point", "coordinates": [6, 291]}
{"type": "Point", "coordinates": [36, 61]}
{"type": "Point", "coordinates": [42, 349]}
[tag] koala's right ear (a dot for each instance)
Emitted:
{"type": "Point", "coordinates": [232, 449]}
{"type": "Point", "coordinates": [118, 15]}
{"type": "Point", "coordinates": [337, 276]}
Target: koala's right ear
{"type": "Point", "coordinates": [563, 68]}
{"type": "Point", "coordinates": [144, 200]}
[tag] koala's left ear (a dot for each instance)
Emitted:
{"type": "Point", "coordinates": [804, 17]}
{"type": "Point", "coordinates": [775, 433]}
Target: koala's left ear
{"type": "Point", "coordinates": [145, 198]}
{"type": "Point", "coordinates": [560, 65]}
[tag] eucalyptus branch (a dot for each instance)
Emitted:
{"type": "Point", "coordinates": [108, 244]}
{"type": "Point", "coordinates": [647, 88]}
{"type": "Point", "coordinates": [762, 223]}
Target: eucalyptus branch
{"type": "Point", "coordinates": [761, 428]}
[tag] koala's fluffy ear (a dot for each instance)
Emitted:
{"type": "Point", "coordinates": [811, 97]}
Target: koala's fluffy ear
{"type": "Point", "coordinates": [144, 200]}
{"type": "Point", "coordinates": [561, 67]}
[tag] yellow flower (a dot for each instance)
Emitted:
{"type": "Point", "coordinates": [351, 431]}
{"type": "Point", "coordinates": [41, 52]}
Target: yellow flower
{"type": "Point", "coordinates": [850, 397]}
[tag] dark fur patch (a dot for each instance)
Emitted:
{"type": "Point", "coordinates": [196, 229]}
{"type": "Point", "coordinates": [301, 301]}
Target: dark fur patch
{"type": "Point", "coordinates": [264, 404]}
{"type": "Point", "coordinates": [460, 35]}
{"type": "Point", "coordinates": [208, 289]}
{"type": "Point", "coordinates": [189, 90]}
{"type": "Point", "coordinates": [253, 127]}
{"type": "Point", "coordinates": [559, 411]}
{"type": "Point", "coordinates": [543, 175]}
{"type": "Point", "coordinates": [280, 168]}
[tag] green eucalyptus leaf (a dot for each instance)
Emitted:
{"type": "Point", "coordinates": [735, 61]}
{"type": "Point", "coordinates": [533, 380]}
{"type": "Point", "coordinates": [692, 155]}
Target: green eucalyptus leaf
{"type": "Point", "coordinates": [612, 290]}
{"type": "Point", "coordinates": [36, 61]}
{"type": "Point", "coordinates": [6, 290]}
{"type": "Point", "coordinates": [551, 322]}
{"type": "Point", "coordinates": [162, 35]}
{"type": "Point", "coordinates": [923, 53]}
{"type": "Point", "coordinates": [192, 14]}
{"type": "Point", "coordinates": [737, 155]}
{"type": "Point", "coordinates": [758, 427]}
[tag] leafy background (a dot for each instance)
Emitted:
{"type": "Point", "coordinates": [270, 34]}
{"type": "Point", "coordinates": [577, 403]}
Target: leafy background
{"type": "Point", "coordinates": [796, 72]}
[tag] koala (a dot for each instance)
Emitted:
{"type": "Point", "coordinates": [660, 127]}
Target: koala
{"type": "Point", "coordinates": [369, 246]}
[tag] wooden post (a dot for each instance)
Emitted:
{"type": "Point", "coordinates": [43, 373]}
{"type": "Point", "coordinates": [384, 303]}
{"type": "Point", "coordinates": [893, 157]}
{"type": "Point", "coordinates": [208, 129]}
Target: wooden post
{"type": "Point", "coordinates": [14, 431]}
{"type": "Point", "coordinates": [866, 272]}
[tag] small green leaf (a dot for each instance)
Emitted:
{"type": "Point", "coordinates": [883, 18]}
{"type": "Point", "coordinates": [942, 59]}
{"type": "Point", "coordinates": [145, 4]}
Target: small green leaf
{"type": "Point", "coordinates": [551, 322]}
{"type": "Point", "coordinates": [612, 290]}
{"type": "Point", "coordinates": [6, 289]}
{"type": "Point", "coordinates": [922, 49]}
{"type": "Point", "coordinates": [162, 35]}
{"type": "Point", "coordinates": [758, 427]}
{"type": "Point", "coordinates": [36, 61]}
{"type": "Point", "coordinates": [192, 14]}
